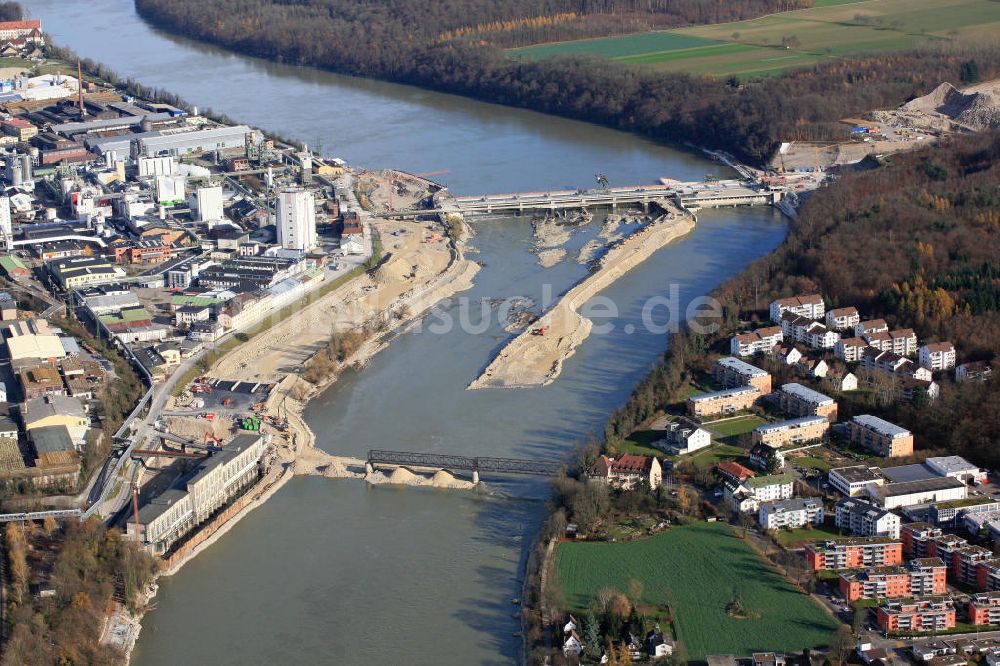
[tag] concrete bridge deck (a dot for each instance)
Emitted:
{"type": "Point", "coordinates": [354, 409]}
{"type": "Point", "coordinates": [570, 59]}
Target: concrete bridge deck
{"type": "Point", "coordinates": [689, 195]}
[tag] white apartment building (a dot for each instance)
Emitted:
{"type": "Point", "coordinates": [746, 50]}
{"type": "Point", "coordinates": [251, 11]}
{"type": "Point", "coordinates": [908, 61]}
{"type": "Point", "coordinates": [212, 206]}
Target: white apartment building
{"type": "Point", "coordinates": [790, 513]}
{"type": "Point", "coordinates": [850, 350]}
{"type": "Point", "coordinates": [938, 356]}
{"type": "Point", "coordinates": [863, 518]}
{"type": "Point", "coordinates": [810, 306]}
{"type": "Point", "coordinates": [296, 220]}
{"type": "Point", "coordinates": [871, 326]}
{"type": "Point", "coordinates": [843, 319]}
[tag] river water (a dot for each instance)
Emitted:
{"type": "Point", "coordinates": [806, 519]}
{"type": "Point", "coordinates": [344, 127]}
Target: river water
{"type": "Point", "coordinates": [336, 572]}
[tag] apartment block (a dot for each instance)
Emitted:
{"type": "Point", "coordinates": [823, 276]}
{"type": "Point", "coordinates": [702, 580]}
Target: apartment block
{"type": "Point", "coordinates": [879, 436]}
{"type": "Point", "coordinates": [799, 400]}
{"type": "Point", "coordinates": [916, 536]}
{"type": "Point", "coordinates": [903, 342]}
{"type": "Point", "coordinates": [728, 401]}
{"type": "Point", "coordinates": [748, 495]}
{"type": "Point", "coordinates": [965, 563]}
{"type": "Point", "coordinates": [918, 578]}
{"type": "Point", "coordinates": [929, 614]}
{"type": "Point", "coordinates": [937, 356]}
{"type": "Point", "coordinates": [810, 305]}
{"type": "Point", "coordinates": [945, 547]}
{"type": "Point", "coordinates": [984, 608]}
{"type": "Point", "coordinates": [843, 319]}
{"type": "Point", "coordinates": [730, 371]}
{"type": "Point", "coordinates": [854, 553]}
{"type": "Point", "coordinates": [792, 431]}
{"type": "Point", "coordinates": [865, 328]}
{"type": "Point", "coordinates": [863, 518]}
{"type": "Point", "coordinates": [850, 350]}
{"type": "Point", "coordinates": [760, 341]}
{"type": "Point", "coordinates": [790, 513]}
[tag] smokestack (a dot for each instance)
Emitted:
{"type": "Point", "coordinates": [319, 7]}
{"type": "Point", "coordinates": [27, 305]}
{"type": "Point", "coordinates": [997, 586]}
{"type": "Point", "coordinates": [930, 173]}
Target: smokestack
{"type": "Point", "coordinates": [79, 87]}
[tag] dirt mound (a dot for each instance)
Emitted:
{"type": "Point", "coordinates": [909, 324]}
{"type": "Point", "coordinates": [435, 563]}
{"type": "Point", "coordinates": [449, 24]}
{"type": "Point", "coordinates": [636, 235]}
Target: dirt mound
{"type": "Point", "coordinates": [933, 100]}
{"type": "Point", "coordinates": [402, 475]}
{"type": "Point", "coordinates": [393, 270]}
{"type": "Point", "coordinates": [977, 110]}
{"type": "Point", "coordinates": [982, 112]}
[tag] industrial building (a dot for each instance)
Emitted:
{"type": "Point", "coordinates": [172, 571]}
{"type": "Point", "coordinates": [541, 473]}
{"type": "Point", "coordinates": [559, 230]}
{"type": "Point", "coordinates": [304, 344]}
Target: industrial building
{"type": "Point", "coordinates": [910, 493]}
{"type": "Point", "coordinates": [296, 220]}
{"type": "Point", "coordinates": [198, 494]}
{"type": "Point", "coordinates": [171, 142]}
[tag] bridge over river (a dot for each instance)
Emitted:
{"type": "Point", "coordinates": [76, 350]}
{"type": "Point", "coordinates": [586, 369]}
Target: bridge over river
{"type": "Point", "coordinates": [688, 195]}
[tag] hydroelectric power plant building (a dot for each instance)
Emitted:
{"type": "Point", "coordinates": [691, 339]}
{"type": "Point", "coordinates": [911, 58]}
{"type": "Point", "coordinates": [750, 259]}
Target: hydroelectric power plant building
{"type": "Point", "coordinates": [198, 494]}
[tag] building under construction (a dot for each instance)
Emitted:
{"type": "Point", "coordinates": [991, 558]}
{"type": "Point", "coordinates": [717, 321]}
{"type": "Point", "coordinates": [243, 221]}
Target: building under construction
{"type": "Point", "coordinates": [192, 500]}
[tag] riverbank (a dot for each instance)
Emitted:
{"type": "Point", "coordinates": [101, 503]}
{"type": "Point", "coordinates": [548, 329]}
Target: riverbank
{"type": "Point", "coordinates": [438, 270]}
{"type": "Point", "coordinates": [536, 356]}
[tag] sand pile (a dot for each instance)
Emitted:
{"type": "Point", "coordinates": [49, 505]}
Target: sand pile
{"type": "Point", "coordinates": [982, 111]}
{"type": "Point", "coordinates": [979, 110]}
{"type": "Point", "coordinates": [194, 428]}
{"type": "Point", "coordinates": [402, 475]}
{"type": "Point", "coordinates": [933, 100]}
{"type": "Point", "coordinates": [393, 270]}
{"type": "Point", "coordinates": [549, 258]}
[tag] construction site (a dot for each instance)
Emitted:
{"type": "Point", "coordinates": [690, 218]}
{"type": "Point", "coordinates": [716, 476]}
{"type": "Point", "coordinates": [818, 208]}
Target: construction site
{"type": "Point", "coordinates": [945, 110]}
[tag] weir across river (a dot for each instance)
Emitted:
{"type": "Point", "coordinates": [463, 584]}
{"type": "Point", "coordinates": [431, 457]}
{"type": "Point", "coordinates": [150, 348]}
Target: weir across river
{"type": "Point", "coordinates": [377, 457]}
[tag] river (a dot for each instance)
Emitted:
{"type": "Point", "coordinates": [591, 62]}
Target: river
{"type": "Point", "coordinates": [336, 572]}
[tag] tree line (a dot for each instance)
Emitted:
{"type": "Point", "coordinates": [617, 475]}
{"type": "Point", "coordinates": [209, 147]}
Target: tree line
{"type": "Point", "coordinates": [397, 41]}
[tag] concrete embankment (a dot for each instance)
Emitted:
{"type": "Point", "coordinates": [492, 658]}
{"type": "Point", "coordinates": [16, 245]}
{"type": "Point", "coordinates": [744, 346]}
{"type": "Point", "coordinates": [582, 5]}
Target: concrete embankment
{"type": "Point", "coordinates": [533, 359]}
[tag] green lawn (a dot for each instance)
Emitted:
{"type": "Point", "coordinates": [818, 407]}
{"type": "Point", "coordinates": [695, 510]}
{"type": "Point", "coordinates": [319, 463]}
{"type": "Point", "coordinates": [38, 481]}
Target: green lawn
{"type": "Point", "coordinates": [697, 570]}
{"type": "Point", "coordinates": [640, 443]}
{"type": "Point", "coordinates": [830, 29]}
{"type": "Point", "coordinates": [715, 454]}
{"type": "Point", "coordinates": [734, 427]}
{"type": "Point", "coordinates": [811, 462]}
{"type": "Point", "coordinates": [802, 535]}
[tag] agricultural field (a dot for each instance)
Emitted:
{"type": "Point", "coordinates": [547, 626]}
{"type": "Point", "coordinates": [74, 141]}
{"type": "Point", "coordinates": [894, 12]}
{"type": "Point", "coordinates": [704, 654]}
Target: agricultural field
{"type": "Point", "coordinates": [698, 570]}
{"type": "Point", "coordinates": [776, 43]}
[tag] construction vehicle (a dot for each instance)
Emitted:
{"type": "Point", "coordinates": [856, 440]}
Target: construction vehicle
{"type": "Point", "coordinates": [209, 416]}
{"type": "Point", "coordinates": [201, 388]}
{"type": "Point", "coordinates": [210, 437]}
{"type": "Point", "coordinates": [541, 330]}
{"type": "Point", "coordinates": [227, 402]}
{"type": "Point", "coordinates": [251, 423]}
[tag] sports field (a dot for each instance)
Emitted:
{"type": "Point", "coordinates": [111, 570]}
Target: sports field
{"type": "Point", "coordinates": [772, 44]}
{"type": "Point", "coordinates": [698, 570]}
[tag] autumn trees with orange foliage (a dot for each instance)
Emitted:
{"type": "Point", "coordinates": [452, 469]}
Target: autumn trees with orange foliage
{"type": "Point", "coordinates": [83, 564]}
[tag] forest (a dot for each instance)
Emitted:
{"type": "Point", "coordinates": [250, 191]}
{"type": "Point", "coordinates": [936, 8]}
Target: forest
{"type": "Point", "coordinates": [402, 41]}
{"type": "Point", "coordinates": [61, 581]}
{"type": "Point", "coordinates": [914, 242]}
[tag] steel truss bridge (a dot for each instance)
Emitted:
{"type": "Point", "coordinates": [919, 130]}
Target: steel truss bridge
{"type": "Point", "coordinates": [451, 463]}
